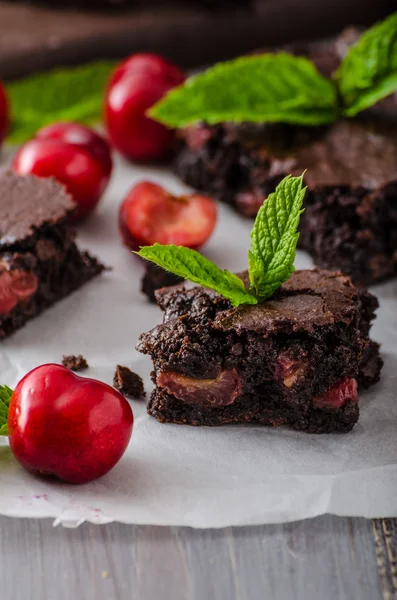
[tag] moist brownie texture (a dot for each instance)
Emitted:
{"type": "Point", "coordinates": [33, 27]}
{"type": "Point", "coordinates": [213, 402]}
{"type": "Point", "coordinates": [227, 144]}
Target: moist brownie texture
{"type": "Point", "coordinates": [350, 222]}
{"type": "Point", "coordinates": [39, 260]}
{"type": "Point", "coordinates": [128, 383]}
{"type": "Point", "coordinates": [297, 359]}
{"type": "Point", "coordinates": [156, 278]}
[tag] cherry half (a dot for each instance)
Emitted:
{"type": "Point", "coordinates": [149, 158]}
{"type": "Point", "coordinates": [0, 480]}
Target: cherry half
{"type": "Point", "coordinates": [70, 427]}
{"type": "Point", "coordinates": [136, 85]}
{"type": "Point", "coordinates": [149, 214]}
{"type": "Point", "coordinates": [75, 155]}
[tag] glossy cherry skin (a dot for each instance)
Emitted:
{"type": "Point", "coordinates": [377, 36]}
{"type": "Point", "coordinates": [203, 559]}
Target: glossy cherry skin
{"type": "Point", "coordinates": [75, 155]}
{"type": "Point", "coordinates": [73, 428]}
{"type": "Point", "coordinates": [149, 214]}
{"type": "Point", "coordinates": [136, 85]}
{"type": "Point", "coordinates": [151, 65]}
{"type": "Point", "coordinates": [3, 113]}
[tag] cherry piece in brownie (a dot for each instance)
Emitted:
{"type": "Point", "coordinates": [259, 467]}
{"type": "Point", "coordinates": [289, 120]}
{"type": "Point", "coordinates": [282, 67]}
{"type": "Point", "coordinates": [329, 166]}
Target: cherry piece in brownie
{"type": "Point", "coordinates": [298, 359]}
{"type": "Point", "coordinates": [39, 260]}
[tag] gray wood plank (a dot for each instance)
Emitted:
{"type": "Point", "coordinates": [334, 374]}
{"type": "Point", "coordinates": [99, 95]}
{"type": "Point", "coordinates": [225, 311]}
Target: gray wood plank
{"type": "Point", "coordinates": [385, 534]}
{"type": "Point", "coordinates": [327, 558]}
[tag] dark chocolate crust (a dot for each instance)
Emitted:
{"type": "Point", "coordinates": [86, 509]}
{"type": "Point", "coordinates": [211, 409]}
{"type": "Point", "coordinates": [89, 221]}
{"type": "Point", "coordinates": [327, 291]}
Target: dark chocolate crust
{"type": "Point", "coordinates": [39, 260]}
{"type": "Point", "coordinates": [27, 204]}
{"type": "Point", "coordinates": [282, 362]}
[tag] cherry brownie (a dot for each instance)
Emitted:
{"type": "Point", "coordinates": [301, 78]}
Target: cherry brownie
{"type": "Point", "coordinates": [350, 221]}
{"type": "Point", "coordinates": [39, 260]}
{"type": "Point", "coordinates": [298, 359]}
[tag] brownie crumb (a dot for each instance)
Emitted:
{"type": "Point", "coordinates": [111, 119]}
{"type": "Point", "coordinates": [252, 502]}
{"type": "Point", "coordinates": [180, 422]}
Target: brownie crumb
{"type": "Point", "coordinates": [75, 363]}
{"type": "Point", "coordinates": [156, 278]}
{"type": "Point", "coordinates": [128, 383]}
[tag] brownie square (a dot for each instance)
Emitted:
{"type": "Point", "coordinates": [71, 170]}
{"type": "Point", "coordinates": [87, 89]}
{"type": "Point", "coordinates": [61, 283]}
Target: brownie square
{"type": "Point", "coordinates": [350, 221]}
{"type": "Point", "coordinates": [39, 260]}
{"type": "Point", "coordinates": [298, 359]}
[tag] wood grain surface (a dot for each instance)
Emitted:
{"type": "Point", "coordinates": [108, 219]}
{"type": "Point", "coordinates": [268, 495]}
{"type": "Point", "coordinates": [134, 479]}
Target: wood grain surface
{"type": "Point", "coordinates": [37, 37]}
{"type": "Point", "coordinates": [327, 558]}
{"type": "Point", "coordinates": [385, 533]}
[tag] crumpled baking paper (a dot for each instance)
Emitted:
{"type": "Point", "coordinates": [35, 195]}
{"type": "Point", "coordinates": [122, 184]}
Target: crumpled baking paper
{"type": "Point", "coordinates": [180, 475]}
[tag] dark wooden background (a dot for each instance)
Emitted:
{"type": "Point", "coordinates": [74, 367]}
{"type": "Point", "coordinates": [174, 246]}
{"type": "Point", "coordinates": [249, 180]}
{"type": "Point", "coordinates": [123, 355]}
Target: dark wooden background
{"type": "Point", "coordinates": [36, 37]}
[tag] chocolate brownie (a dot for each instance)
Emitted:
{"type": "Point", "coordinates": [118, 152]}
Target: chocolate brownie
{"type": "Point", "coordinates": [350, 222]}
{"type": "Point", "coordinates": [156, 278]}
{"type": "Point", "coordinates": [128, 383]}
{"type": "Point", "coordinates": [39, 260]}
{"type": "Point", "coordinates": [75, 363]}
{"type": "Point", "coordinates": [298, 359]}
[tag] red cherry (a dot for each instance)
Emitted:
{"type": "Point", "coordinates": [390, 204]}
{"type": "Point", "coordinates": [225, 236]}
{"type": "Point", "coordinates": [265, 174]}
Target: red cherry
{"type": "Point", "coordinates": [151, 65]}
{"type": "Point", "coordinates": [136, 85]}
{"type": "Point", "coordinates": [149, 214]}
{"type": "Point", "coordinates": [16, 286]}
{"type": "Point", "coordinates": [75, 155]}
{"type": "Point", "coordinates": [73, 133]}
{"type": "Point", "coordinates": [3, 113]}
{"type": "Point", "coordinates": [71, 427]}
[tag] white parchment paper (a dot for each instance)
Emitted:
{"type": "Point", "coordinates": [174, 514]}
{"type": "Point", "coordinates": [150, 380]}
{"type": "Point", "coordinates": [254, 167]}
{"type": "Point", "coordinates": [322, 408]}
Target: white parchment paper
{"type": "Point", "coordinates": [179, 475]}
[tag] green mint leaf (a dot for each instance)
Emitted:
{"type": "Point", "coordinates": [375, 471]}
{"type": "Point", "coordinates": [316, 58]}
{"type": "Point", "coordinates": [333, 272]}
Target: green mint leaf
{"type": "Point", "coordinates": [260, 88]}
{"type": "Point", "coordinates": [368, 72]}
{"type": "Point", "coordinates": [68, 94]}
{"type": "Point", "coordinates": [5, 397]}
{"type": "Point", "coordinates": [274, 237]}
{"type": "Point", "coordinates": [191, 265]}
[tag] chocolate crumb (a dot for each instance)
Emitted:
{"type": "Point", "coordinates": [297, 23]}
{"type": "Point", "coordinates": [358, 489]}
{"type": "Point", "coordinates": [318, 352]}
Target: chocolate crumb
{"type": "Point", "coordinates": [156, 278]}
{"type": "Point", "coordinates": [128, 383]}
{"type": "Point", "coordinates": [75, 363]}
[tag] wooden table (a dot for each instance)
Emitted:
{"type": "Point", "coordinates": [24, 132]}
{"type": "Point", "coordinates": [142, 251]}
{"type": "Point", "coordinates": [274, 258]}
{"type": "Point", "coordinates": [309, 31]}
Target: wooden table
{"type": "Point", "coordinates": [327, 558]}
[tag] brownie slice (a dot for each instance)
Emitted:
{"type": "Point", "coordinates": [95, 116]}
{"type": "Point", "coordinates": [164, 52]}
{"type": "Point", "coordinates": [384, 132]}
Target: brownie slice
{"type": "Point", "coordinates": [350, 222]}
{"type": "Point", "coordinates": [297, 359]}
{"type": "Point", "coordinates": [39, 260]}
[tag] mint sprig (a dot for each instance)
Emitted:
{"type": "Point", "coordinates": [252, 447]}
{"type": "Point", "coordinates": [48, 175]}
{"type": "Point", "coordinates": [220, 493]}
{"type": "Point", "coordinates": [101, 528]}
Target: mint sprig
{"type": "Point", "coordinates": [274, 237]}
{"type": "Point", "coordinates": [283, 88]}
{"type": "Point", "coordinates": [5, 397]}
{"type": "Point", "coordinates": [67, 94]}
{"type": "Point", "coordinates": [260, 88]}
{"type": "Point", "coordinates": [191, 265]}
{"type": "Point", "coordinates": [270, 259]}
{"type": "Point", "coordinates": [368, 72]}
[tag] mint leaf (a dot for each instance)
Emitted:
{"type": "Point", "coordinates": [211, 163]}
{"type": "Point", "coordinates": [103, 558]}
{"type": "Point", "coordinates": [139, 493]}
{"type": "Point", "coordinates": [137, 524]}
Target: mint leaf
{"type": "Point", "coordinates": [274, 237]}
{"type": "Point", "coordinates": [260, 88]}
{"type": "Point", "coordinates": [5, 397]}
{"type": "Point", "coordinates": [191, 265]}
{"type": "Point", "coordinates": [368, 73]}
{"type": "Point", "coordinates": [68, 94]}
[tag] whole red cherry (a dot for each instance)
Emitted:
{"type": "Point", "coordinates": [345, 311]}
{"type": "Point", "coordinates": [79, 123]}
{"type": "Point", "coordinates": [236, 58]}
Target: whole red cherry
{"type": "Point", "coordinates": [66, 426]}
{"type": "Point", "coordinates": [3, 113]}
{"type": "Point", "coordinates": [75, 155]}
{"type": "Point", "coordinates": [150, 214]}
{"type": "Point", "coordinates": [136, 85]}
{"type": "Point", "coordinates": [151, 65]}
